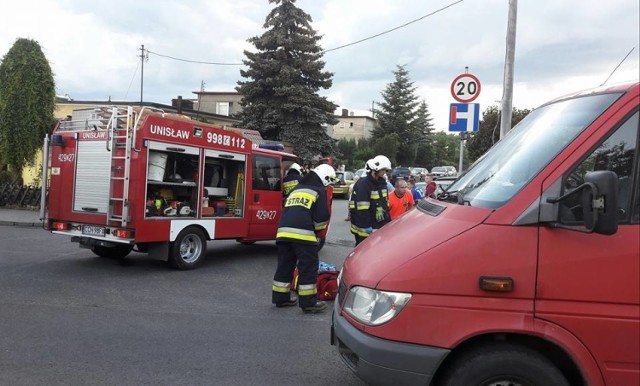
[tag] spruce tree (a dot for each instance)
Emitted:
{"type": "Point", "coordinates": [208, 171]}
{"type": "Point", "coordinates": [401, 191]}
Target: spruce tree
{"type": "Point", "coordinates": [285, 74]}
{"type": "Point", "coordinates": [423, 120]}
{"type": "Point", "coordinates": [397, 115]}
{"type": "Point", "coordinates": [424, 124]}
{"type": "Point", "coordinates": [27, 102]}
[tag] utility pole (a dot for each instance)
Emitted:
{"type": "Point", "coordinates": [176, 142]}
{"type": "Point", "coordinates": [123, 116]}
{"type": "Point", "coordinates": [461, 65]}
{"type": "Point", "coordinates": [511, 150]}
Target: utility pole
{"type": "Point", "coordinates": [507, 94]}
{"type": "Point", "coordinates": [143, 56]}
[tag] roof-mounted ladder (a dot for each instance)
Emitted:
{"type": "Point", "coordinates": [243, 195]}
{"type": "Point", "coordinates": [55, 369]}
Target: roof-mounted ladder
{"type": "Point", "coordinates": [121, 139]}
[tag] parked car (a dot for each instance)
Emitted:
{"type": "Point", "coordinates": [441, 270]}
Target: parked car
{"type": "Point", "coordinates": [400, 172]}
{"type": "Point", "coordinates": [341, 189]}
{"type": "Point", "coordinates": [418, 174]}
{"type": "Point", "coordinates": [360, 173]}
{"type": "Point", "coordinates": [443, 183]}
{"type": "Point", "coordinates": [443, 171]}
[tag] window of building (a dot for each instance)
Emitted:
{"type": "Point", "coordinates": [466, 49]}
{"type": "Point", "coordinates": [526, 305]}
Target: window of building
{"type": "Point", "coordinates": [222, 108]}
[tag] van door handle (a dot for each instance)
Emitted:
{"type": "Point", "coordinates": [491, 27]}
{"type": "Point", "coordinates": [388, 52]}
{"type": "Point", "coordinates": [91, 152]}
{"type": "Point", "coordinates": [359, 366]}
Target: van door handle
{"type": "Point", "coordinates": [256, 197]}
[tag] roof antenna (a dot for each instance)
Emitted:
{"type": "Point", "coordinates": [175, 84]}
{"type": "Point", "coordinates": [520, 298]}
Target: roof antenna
{"type": "Point", "coordinates": [619, 64]}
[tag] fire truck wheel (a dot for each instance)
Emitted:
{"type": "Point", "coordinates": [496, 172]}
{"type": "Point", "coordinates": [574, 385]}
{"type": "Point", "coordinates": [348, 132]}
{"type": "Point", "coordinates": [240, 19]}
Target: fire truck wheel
{"type": "Point", "coordinates": [189, 249]}
{"type": "Point", "coordinates": [117, 252]}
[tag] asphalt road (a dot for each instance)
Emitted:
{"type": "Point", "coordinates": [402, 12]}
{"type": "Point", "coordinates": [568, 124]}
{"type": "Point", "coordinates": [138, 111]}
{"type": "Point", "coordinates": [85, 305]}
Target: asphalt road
{"type": "Point", "coordinates": [69, 317]}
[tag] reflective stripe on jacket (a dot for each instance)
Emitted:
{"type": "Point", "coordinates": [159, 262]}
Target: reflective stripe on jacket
{"type": "Point", "coordinates": [290, 181]}
{"type": "Point", "coordinates": [305, 213]}
{"type": "Point", "coordinates": [368, 195]}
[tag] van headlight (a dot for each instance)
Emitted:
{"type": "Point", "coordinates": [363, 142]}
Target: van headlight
{"type": "Point", "coordinates": [373, 307]}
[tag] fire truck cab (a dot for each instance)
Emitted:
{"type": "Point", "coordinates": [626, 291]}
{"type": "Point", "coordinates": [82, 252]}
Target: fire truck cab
{"type": "Point", "coordinates": [165, 184]}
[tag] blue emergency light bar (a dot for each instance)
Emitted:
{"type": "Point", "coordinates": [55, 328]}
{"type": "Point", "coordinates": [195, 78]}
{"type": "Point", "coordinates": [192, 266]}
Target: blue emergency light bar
{"type": "Point", "coordinates": [272, 146]}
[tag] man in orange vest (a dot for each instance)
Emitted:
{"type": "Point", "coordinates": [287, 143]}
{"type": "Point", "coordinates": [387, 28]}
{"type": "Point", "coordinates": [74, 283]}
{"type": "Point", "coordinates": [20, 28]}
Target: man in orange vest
{"type": "Point", "coordinates": [399, 201]}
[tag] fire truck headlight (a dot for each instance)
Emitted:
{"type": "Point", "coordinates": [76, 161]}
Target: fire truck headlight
{"type": "Point", "coordinates": [373, 307]}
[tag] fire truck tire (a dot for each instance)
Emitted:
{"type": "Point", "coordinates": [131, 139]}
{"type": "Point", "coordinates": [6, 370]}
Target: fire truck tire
{"type": "Point", "coordinates": [188, 250]}
{"type": "Point", "coordinates": [117, 252]}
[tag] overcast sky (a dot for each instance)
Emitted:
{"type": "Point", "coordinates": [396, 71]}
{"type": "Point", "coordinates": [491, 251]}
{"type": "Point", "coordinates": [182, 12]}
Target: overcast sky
{"type": "Point", "coordinates": [561, 46]}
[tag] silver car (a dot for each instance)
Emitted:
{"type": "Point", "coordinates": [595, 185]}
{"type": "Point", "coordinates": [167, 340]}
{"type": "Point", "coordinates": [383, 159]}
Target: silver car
{"type": "Point", "coordinates": [444, 171]}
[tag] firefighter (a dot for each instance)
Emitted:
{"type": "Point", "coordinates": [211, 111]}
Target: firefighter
{"type": "Point", "coordinates": [304, 216]}
{"type": "Point", "coordinates": [291, 180]}
{"type": "Point", "coordinates": [368, 205]}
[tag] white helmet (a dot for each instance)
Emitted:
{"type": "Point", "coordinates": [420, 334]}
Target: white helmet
{"type": "Point", "coordinates": [368, 165]}
{"type": "Point", "coordinates": [326, 173]}
{"type": "Point", "coordinates": [295, 166]}
{"type": "Point", "coordinates": [378, 163]}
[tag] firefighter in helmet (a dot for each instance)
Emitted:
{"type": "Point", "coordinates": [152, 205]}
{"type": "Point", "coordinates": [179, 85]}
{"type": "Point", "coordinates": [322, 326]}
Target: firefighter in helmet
{"type": "Point", "coordinates": [368, 205]}
{"type": "Point", "coordinates": [291, 180]}
{"type": "Point", "coordinates": [305, 214]}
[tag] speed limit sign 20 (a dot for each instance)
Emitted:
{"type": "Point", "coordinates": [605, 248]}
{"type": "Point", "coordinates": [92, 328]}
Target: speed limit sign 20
{"type": "Point", "coordinates": [465, 88]}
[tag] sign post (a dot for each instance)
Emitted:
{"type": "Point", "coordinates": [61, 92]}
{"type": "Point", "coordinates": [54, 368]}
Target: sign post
{"type": "Point", "coordinates": [464, 116]}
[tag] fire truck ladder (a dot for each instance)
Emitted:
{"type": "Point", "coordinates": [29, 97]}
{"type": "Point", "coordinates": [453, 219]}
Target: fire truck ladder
{"type": "Point", "coordinates": [120, 142]}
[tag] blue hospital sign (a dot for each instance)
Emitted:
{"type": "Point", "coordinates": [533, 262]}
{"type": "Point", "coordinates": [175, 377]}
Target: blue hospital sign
{"type": "Point", "coordinates": [464, 117]}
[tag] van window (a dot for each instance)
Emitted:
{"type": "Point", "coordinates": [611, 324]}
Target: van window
{"type": "Point", "coordinates": [617, 153]}
{"type": "Point", "coordinates": [266, 173]}
{"type": "Point", "coordinates": [509, 166]}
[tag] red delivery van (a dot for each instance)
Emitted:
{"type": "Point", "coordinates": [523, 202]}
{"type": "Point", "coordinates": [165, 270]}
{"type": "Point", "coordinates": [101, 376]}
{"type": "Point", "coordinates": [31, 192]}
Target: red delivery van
{"type": "Point", "coordinates": [525, 271]}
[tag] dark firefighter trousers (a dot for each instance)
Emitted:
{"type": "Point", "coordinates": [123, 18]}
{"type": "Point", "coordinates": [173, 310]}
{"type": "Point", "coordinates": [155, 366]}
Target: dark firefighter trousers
{"type": "Point", "coordinates": [306, 256]}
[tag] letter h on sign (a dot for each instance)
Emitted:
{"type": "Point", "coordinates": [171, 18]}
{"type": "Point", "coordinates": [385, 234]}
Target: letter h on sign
{"type": "Point", "coordinates": [464, 117]}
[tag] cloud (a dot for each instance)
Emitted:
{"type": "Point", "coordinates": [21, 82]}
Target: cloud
{"type": "Point", "coordinates": [561, 46]}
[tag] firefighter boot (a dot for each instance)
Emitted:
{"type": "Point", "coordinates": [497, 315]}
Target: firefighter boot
{"type": "Point", "coordinates": [318, 307]}
{"type": "Point", "coordinates": [288, 303]}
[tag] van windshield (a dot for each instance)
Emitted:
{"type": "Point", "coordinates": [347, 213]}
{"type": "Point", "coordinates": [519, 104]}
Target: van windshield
{"type": "Point", "coordinates": [514, 161]}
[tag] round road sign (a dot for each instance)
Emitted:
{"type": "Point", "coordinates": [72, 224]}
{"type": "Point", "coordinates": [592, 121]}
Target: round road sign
{"type": "Point", "coordinates": [465, 88]}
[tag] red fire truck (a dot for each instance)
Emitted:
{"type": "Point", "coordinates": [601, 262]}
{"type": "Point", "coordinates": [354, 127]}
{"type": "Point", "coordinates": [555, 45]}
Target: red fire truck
{"type": "Point", "coordinates": [162, 183]}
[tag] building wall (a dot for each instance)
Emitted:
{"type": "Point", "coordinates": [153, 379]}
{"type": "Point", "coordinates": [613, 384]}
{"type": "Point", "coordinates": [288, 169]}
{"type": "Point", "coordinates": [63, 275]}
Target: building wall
{"type": "Point", "coordinates": [223, 103]}
{"type": "Point", "coordinates": [352, 127]}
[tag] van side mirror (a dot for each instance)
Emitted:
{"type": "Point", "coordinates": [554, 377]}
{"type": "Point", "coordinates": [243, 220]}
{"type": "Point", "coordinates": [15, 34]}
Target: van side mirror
{"type": "Point", "coordinates": [600, 205]}
{"type": "Point", "coordinates": [599, 201]}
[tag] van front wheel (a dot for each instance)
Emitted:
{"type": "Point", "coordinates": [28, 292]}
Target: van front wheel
{"type": "Point", "coordinates": [188, 250]}
{"type": "Point", "coordinates": [503, 364]}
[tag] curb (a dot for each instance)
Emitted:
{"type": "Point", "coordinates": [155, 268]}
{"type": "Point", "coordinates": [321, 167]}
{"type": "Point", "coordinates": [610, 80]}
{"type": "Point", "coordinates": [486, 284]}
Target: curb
{"type": "Point", "coordinates": [21, 224]}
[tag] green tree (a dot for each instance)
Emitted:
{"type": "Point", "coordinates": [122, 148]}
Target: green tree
{"type": "Point", "coordinates": [27, 102]}
{"type": "Point", "coordinates": [446, 150]}
{"type": "Point", "coordinates": [424, 124]}
{"type": "Point", "coordinates": [363, 153]}
{"type": "Point", "coordinates": [489, 131]}
{"type": "Point", "coordinates": [397, 115]}
{"type": "Point", "coordinates": [284, 76]}
{"type": "Point", "coordinates": [347, 149]}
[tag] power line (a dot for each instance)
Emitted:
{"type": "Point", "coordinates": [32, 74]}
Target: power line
{"type": "Point", "coordinates": [325, 51]}
{"type": "Point", "coordinates": [195, 61]}
{"type": "Point", "coordinates": [396, 28]}
{"type": "Point", "coordinates": [131, 82]}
